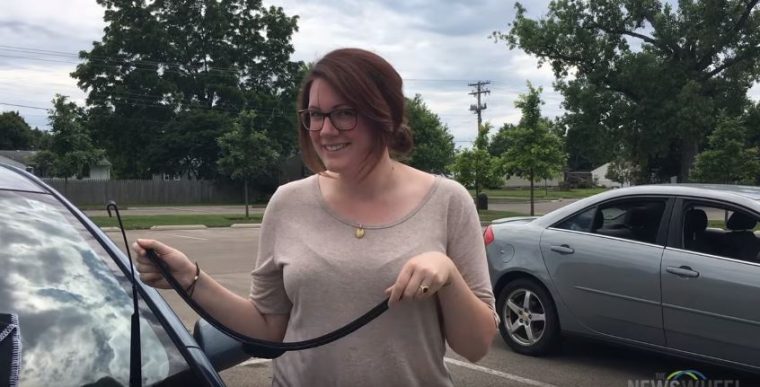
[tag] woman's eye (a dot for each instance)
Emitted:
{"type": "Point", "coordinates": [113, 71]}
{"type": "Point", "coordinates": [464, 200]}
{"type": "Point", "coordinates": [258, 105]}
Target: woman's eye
{"type": "Point", "coordinates": [317, 115]}
{"type": "Point", "coordinates": [346, 113]}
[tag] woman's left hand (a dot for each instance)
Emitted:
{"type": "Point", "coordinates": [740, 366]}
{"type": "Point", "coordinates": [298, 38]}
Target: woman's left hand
{"type": "Point", "coordinates": [421, 277]}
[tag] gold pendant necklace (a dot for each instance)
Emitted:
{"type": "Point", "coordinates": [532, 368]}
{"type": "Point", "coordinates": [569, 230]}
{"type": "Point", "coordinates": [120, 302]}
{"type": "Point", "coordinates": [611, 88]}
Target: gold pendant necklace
{"type": "Point", "coordinates": [359, 233]}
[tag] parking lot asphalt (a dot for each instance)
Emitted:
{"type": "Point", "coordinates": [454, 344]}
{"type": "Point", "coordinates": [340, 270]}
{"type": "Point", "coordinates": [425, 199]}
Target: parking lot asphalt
{"type": "Point", "coordinates": [541, 207]}
{"type": "Point", "coordinates": [228, 254]}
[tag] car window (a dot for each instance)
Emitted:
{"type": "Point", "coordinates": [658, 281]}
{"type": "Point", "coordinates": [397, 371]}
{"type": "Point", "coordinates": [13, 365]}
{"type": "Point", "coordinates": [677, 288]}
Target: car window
{"type": "Point", "coordinates": [720, 230]}
{"type": "Point", "coordinates": [637, 220]}
{"type": "Point", "coordinates": [579, 222]}
{"type": "Point", "coordinates": [73, 303]}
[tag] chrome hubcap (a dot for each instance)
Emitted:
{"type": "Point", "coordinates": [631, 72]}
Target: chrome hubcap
{"type": "Point", "coordinates": [525, 317]}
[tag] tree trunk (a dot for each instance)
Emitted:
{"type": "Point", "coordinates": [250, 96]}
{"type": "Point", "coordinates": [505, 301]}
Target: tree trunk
{"type": "Point", "coordinates": [477, 182]}
{"type": "Point", "coordinates": [531, 194]}
{"type": "Point", "coordinates": [688, 154]}
{"type": "Point", "coordinates": [245, 190]}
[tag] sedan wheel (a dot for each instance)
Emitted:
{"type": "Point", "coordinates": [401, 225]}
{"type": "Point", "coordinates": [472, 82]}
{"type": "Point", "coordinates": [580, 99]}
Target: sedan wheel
{"type": "Point", "coordinates": [529, 323]}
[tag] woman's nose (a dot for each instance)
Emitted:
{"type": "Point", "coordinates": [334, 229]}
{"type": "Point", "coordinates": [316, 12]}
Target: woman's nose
{"type": "Point", "coordinates": [328, 128]}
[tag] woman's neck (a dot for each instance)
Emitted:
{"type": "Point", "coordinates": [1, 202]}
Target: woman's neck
{"type": "Point", "coordinates": [379, 181]}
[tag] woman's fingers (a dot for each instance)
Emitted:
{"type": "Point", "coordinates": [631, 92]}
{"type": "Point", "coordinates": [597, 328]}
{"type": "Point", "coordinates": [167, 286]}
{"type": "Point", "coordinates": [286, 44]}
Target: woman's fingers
{"type": "Point", "coordinates": [421, 277]}
{"type": "Point", "coordinates": [151, 278]}
{"type": "Point", "coordinates": [397, 290]}
{"type": "Point", "coordinates": [412, 284]}
{"type": "Point", "coordinates": [152, 244]}
{"type": "Point", "coordinates": [150, 274]}
{"type": "Point", "coordinates": [412, 290]}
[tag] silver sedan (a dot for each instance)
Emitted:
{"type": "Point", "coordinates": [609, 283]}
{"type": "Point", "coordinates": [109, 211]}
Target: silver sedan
{"type": "Point", "coordinates": [672, 268]}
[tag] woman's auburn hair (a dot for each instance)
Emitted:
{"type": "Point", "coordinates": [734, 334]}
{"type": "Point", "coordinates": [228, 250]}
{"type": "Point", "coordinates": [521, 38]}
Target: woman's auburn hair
{"type": "Point", "coordinates": [370, 85]}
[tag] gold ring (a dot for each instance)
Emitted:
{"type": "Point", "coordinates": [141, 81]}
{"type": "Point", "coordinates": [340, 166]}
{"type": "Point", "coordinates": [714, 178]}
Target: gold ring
{"type": "Point", "coordinates": [424, 288]}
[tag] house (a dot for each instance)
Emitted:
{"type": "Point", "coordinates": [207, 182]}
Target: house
{"type": "Point", "coordinates": [600, 178]}
{"type": "Point", "coordinates": [518, 182]}
{"type": "Point", "coordinates": [23, 159]}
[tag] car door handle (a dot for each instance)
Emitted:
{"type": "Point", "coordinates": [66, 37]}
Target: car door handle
{"type": "Point", "coordinates": [562, 249]}
{"type": "Point", "coordinates": [683, 271]}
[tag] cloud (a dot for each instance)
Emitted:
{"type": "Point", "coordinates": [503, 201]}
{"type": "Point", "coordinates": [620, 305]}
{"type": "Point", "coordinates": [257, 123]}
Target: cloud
{"type": "Point", "coordinates": [438, 47]}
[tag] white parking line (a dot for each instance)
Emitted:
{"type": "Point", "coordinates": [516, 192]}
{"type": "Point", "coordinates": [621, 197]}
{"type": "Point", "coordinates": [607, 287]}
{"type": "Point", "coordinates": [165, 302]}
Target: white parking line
{"type": "Point", "coordinates": [253, 362]}
{"type": "Point", "coordinates": [188, 237]}
{"type": "Point", "coordinates": [449, 360]}
{"type": "Point", "coordinates": [500, 374]}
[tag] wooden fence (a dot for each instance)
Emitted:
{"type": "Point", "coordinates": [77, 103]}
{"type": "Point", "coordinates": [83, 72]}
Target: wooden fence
{"type": "Point", "coordinates": [147, 192]}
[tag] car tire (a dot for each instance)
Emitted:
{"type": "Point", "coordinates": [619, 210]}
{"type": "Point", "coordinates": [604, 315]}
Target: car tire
{"type": "Point", "coordinates": [534, 331]}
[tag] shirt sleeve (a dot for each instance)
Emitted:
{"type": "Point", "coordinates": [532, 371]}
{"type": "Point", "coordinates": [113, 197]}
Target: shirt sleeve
{"type": "Point", "coordinates": [267, 285]}
{"type": "Point", "coordinates": [466, 248]}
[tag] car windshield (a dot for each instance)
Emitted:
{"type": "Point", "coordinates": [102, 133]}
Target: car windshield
{"type": "Point", "coordinates": [73, 303]}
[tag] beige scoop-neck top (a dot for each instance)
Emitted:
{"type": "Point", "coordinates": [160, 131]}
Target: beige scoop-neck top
{"type": "Point", "coordinates": [311, 265]}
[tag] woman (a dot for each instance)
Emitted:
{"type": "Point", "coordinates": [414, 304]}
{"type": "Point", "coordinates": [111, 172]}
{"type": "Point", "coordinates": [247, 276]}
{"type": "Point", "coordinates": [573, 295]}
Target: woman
{"type": "Point", "coordinates": [363, 227]}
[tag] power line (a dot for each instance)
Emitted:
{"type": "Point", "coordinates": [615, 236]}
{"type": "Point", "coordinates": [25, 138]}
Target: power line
{"type": "Point", "coordinates": [117, 62]}
{"type": "Point", "coordinates": [22, 106]}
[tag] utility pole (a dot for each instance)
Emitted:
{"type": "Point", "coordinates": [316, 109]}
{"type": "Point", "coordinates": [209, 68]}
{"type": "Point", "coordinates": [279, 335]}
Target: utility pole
{"type": "Point", "coordinates": [477, 109]}
{"type": "Point", "coordinates": [479, 90]}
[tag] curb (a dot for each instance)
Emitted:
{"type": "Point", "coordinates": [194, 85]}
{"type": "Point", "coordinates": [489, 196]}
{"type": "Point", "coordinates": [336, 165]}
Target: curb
{"type": "Point", "coordinates": [186, 227]}
{"type": "Point", "coordinates": [246, 225]}
{"type": "Point", "coordinates": [180, 227]}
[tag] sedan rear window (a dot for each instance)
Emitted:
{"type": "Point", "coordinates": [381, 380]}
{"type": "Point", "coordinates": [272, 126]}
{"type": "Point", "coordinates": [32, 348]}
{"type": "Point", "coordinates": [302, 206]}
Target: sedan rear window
{"type": "Point", "coordinates": [638, 220]}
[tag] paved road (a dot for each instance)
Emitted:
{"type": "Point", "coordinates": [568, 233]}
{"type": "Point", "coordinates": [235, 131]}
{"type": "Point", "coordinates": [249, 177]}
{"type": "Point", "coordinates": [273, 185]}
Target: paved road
{"type": "Point", "coordinates": [228, 255]}
{"type": "Point", "coordinates": [540, 208]}
{"type": "Point", "coordinates": [181, 210]}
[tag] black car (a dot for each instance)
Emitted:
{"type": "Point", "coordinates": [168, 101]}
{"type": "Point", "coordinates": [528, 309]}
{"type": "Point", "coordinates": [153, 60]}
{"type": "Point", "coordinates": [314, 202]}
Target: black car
{"type": "Point", "coordinates": [70, 289]}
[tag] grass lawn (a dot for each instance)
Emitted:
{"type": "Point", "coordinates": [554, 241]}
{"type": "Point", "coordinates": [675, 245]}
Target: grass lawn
{"type": "Point", "coordinates": [540, 194]}
{"type": "Point", "coordinates": [145, 222]}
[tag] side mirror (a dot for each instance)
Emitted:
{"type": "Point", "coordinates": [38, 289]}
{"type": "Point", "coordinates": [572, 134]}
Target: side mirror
{"type": "Point", "coordinates": [222, 351]}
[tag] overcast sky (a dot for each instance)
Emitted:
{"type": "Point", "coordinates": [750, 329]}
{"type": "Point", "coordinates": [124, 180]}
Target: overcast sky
{"type": "Point", "coordinates": [438, 47]}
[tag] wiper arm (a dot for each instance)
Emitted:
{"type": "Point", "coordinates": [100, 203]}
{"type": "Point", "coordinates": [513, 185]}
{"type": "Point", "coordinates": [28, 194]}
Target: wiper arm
{"type": "Point", "coordinates": [135, 356]}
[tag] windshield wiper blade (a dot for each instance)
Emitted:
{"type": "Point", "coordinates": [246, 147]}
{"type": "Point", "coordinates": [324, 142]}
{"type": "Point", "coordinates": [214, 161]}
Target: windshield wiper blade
{"type": "Point", "coordinates": [135, 355]}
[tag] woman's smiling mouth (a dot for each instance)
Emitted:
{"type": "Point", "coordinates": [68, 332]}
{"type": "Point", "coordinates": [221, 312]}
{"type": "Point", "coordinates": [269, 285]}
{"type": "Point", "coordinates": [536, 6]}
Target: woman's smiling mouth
{"type": "Point", "coordinates": [334, 147]}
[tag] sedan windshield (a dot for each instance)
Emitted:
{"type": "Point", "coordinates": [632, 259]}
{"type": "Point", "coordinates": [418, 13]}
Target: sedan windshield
{"type": "Point", "coordinates": [73, 303]}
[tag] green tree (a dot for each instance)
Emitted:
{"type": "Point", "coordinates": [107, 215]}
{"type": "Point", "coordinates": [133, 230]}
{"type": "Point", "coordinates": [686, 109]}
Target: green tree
{"type": "Point", "coordinates": [645, 77]}
{"type": "Point", "coordinates": [188, 145]}
{"type": "Point", "coordinates": [475, 168]}
{"type": "Point", "coordinates": [729, 159]}
{"type": "Point", "coordinates": [71, 143]}
{"type": "Point", "coordinates": [43, 163]}
{"type": "Point", "coordinates": [433, 144]}
{"type": "Point", "coordinates": [498, 144]}
{"type": "Point", "coordinates": [536, 152]}
{"type": "Point", "coordinates": [168, 70]}
{"type": "Point", "coordinates": [247, 152]}
{"type": "Point", "coordinates": [15, 133]}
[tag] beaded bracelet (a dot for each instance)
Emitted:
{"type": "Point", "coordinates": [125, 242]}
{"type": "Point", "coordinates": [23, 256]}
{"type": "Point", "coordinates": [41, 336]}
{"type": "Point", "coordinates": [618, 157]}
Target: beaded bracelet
{"type": "Point", "coordinates": [190, 289]}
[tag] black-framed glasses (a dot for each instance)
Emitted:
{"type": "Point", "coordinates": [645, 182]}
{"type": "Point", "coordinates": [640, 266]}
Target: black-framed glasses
{"type": "Point", "coordinates": [342, 119]}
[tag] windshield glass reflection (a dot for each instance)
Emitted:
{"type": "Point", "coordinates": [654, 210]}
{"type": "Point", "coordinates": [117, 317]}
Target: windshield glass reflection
{"type": "Point", "coordinates": [74, 306]}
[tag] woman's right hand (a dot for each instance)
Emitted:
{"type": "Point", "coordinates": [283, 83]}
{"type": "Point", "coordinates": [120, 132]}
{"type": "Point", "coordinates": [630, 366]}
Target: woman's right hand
{"type": "Point", "coordinates": [179, 265]}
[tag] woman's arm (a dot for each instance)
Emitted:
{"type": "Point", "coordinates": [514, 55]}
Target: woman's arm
{"type": "Point", "coordinates": [469, 325]}
{"type": "Point", "coordinates": [468, 322]}
{"type": "Point", "coordinates": [235, 312]}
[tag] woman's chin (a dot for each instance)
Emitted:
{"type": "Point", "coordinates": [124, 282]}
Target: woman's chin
{"type": "Point", "coordinates": [341, 167]}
